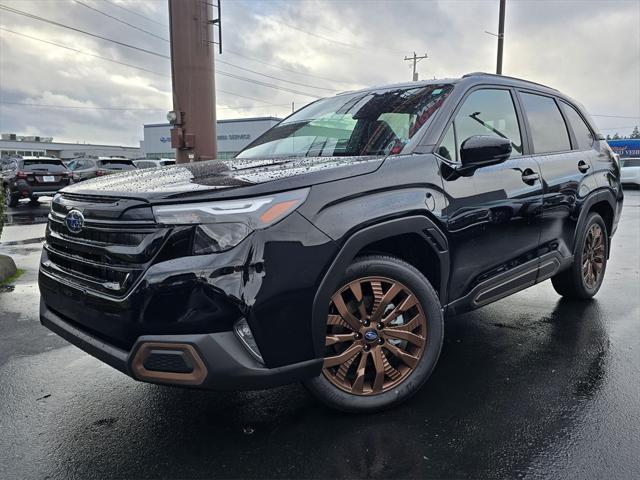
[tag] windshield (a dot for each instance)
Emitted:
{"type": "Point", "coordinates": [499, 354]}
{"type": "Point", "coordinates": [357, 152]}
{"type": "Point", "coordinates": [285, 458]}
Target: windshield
{"type": "Point", "coordinates": [378, 122]}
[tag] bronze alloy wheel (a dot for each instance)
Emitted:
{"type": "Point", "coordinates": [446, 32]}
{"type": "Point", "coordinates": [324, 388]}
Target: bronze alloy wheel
{"type": "Point", "coordinates": [593, 256]}
{"type": "Point", "coordinates": [376, 335]}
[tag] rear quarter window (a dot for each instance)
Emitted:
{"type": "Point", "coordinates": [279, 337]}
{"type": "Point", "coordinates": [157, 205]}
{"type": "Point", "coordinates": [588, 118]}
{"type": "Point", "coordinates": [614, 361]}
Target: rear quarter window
{"type": "Point", "coordinates": [582, 132]}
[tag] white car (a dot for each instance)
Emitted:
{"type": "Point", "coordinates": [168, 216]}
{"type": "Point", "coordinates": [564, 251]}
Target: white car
{"type": "Point", "coordinates": [154, 162]}
{"type": "Point", "coordinates": [630, 171]}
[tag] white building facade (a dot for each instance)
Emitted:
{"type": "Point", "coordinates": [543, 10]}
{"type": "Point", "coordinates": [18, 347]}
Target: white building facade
{"type": "Point", "coordinates": [11, 144]}
{"type": "Point", "coordinates": [233, 136]}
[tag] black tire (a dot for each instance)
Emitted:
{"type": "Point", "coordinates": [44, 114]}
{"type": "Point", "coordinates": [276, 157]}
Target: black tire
{"type": "Point", "coordinates": [408, 276]}
{"type": "Point", "coordinates": [574, 283]}
{"type": "Point", "coordinates": [9, 199]}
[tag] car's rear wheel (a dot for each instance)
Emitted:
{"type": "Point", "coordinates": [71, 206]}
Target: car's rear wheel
{"type": "Point", "coordinates": [383, 336]}
{"type": "Point", "coordinates": [9, 199]}
{"type": "Point", "coordinates": [584, 278]}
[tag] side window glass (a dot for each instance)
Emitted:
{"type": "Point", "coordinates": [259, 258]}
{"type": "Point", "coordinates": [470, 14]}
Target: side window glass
{"type": "Point", "coordinates": [489, 112]}
{"type": "Point", "coordinates": [548, 130]}
{"type": "Point", "coordinates": [584, 138]}
{"type": "Point", "coordinates": [447, 148]}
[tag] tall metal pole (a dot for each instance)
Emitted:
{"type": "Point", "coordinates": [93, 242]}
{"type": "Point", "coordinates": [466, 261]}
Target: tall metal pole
{"type": "Point", "coordinates": [500, 36]}
{"type": "Point", "coordinates": [192, 73]}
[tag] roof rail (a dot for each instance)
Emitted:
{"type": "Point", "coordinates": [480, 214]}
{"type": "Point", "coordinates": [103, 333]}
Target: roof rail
{"type": "Point", "coordinates": [477, 74]}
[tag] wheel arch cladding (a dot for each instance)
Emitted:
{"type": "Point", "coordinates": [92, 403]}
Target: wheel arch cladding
{"type": "Point", "coordinates": [603, 203]}
{"type": "Point", "coordinates": [392, 235]}
{"type": "Point", "coordinates": [605, 210]}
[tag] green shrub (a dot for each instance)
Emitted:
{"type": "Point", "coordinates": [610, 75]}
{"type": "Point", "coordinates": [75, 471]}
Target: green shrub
{"type": "Point", "coordinates": [1, 209]}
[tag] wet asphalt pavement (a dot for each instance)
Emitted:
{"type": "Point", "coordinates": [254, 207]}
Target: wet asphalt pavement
{"type": "Point", "coordinates": [530, 386]}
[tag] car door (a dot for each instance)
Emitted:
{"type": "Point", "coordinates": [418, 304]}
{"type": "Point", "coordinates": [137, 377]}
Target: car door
{"type": "Point", "coordinates": [493, 213]}
{"type": "Point", "coordinates": [565, 164]}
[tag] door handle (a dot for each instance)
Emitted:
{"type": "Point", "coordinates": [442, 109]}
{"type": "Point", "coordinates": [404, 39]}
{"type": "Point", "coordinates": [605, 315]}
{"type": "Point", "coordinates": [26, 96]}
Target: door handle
{"type": "Point", "coordinates": [583, 166]}
{"type": "Point", "coordinates": [529, 176]}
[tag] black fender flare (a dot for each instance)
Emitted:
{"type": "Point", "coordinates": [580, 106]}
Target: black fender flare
{"type": "Point", "coordinates": [421, 225]}
{"type": "Point", "coordinates": [595, 197]}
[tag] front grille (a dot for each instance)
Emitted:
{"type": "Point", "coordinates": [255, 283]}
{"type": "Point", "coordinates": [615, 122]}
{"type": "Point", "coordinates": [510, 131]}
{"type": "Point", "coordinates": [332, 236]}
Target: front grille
{"type": "Point", "coordinates": [107, 256]}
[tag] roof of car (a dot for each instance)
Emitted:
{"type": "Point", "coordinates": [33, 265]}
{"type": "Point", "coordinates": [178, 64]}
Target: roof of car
{"type": "Point", "coordinates": [469, 78]}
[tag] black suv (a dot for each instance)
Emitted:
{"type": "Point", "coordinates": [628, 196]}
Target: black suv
{"type": "Point", "coordinates": [332, 248]}
{"type": "Point", "coordinates": [32, 177]}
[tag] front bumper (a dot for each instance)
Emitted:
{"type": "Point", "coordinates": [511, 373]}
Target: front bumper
{"type": "Point", "coordinates": [217, 361]}
{"type": "Point", "coordinates": [269, 279]}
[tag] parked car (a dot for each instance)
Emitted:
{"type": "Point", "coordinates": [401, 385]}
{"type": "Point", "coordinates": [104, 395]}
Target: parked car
{"type": "Point", "coordinates": [628, 150]}
{"type": "Point", "coordinates": [332, 248]}
{"type": "Point", "coordinates": [32, 178]}
{"type": "Point", "coordinates": [85, 168]}
{"type": "Point", "coordinates": [154, 162]}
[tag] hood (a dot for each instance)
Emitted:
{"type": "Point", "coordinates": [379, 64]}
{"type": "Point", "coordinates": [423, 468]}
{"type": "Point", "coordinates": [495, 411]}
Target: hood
{"type": "Point", "coordinates": [225, 178]}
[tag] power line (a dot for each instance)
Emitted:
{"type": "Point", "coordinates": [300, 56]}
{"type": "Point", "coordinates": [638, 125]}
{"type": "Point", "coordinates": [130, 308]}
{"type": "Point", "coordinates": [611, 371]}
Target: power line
{"type": "Point", "coordinates": [615, 116]}
{"type": "Point", "coordinates": [136, 13]}
{"type": "Point", "coordinates": [77, 107]}
{"type": "Point", "coordinates": [121, 21]}
{"type": "Point", "coordinates": [238, 77]}
{"type": "Point", "coordinates": [333, 40]}
{"type": "Point", "coordinates": [265, 84]}
{"type": "Point", "coordinates": [241, 96]}
{"type": "Point", "coordinates": [619, 128]}
{"type": "Point", "coordinates": [46, 20]}
{"type": "Point", "coordinates": [275, 78]}
{"type": "Point", "coordinates": [85, 53]}
{"type": "Point", "coordinates": [220, 61]}
{"type": "Point", "coordinates": [297, 72]}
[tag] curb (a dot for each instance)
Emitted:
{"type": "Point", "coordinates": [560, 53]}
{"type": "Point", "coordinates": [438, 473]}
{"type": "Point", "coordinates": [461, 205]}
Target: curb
{"type": "Point", "coordinates": [7, 267]}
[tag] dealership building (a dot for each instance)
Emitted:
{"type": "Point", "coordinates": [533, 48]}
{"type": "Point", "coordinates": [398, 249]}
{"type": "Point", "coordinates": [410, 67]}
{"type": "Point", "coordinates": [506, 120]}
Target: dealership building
{"type": "Point", "coordinates": [233, 136]}
{"type": "Point", "coordinates": [12, 144]}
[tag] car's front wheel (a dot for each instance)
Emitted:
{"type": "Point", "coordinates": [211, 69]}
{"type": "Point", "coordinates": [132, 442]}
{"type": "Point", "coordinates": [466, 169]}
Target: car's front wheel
{"type": "Point", "coordinates": [383, 336]}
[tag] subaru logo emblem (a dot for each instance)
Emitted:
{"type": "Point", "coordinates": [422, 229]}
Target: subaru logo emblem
{"type": "Point", "coordinates": [74, 221]}
{"type": "Point", "coordinates": [371, 335]}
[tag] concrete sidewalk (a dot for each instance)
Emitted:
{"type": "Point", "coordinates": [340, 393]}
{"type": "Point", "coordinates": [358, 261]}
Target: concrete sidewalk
{"type": "Point", "coordinates": [22, 233]}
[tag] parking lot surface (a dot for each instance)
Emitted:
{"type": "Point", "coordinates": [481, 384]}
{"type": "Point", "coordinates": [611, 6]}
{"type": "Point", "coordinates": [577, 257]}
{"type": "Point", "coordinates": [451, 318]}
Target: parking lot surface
{"type": "Point", "coordinates": [531, 386]}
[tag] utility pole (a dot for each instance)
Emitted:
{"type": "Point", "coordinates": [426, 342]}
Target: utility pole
{"type": "Point", "coordinates": [500, 36]}
{"type": "Point", "coordinates": [192, 74]}
{"type": "Point", "coordinates": [415, 59]}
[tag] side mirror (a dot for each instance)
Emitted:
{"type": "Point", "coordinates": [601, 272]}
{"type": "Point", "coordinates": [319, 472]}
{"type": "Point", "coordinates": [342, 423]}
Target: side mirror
{"type": "Point", "coordinates": [482, 150]}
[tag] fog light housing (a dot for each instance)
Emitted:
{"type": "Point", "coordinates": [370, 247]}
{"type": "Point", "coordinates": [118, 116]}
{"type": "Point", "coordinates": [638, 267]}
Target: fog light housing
{"type": "Point", "coordinates": [243, 332]}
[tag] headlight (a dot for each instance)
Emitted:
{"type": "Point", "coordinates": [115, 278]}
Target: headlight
{"type": "Point", "coordinates": [224, 224]}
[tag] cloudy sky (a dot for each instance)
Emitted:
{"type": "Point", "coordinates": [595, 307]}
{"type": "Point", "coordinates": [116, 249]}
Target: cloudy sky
{"type": "Point", "coordinates": [588, 49]}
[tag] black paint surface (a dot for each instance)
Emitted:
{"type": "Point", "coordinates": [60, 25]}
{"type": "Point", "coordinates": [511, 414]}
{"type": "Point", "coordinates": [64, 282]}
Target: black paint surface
{"type": "Point", "coordinates": [528, 386]}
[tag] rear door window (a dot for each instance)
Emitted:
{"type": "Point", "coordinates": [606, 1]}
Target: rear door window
{"type": "Point", "coordinates": [582, 132]}
{"type": "Point", "coordinates": [548, 131]}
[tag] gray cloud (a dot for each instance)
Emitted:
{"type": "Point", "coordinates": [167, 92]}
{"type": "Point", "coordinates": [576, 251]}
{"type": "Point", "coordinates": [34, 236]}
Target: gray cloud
{"type": "Point", "coordinates": [588, 49]}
